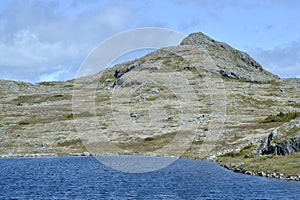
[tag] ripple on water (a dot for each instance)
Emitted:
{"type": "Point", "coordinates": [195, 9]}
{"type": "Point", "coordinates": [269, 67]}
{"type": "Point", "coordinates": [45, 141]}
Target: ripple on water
{"type": "Point", "coordinates": [86, 178]}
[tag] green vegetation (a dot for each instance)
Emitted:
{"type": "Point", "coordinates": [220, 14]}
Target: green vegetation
{"type": "Point", "coordinates": [70, 142]}
{"type": "Point", "coordinates": [197, 142]}
{"type": "Point", "coordinates": [32, 120]}
{"type": "Point", "coordinates": [272, 82]}
{"type": "Point", "coordinates": [35, 119]}
{"type": "Point", "coordinates": [78, 115]}
{"type": "Point", "coordinates": [267, 163]}
{"type": "Point", "coordinates": [75, 144]}
{"type": "Point", "coordinates": [248, 160]}
{"type": "Point", "coordinates": [37, 98]}
{"type": "Point", "coordinates": [23, 123]}
{"type": "Point", "coordinates": [107, 76]}
{"type": "Point", "coordinates": [147, 144]}
{"type": "Point", "coordinates": [281, 117]}
{"type": "Point", "coordinates": [69, 116]}
{"type": "Point", "coordinates": [48, 83]}
{"type": "Point", "coordinates": [152, 98]}
{"type": "Point", "coordinates": [292, 132]}
{"type": "Point", "coordinates": [171, 59]}
{"type": "Point", "coordinates": [254, 102]}
{"type": "Point", "coordinates": [246, 152]}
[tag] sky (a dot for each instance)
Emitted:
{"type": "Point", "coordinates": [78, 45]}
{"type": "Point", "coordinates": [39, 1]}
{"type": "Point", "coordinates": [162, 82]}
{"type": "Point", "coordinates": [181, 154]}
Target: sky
{"type": "Point", "coordinates": [48, 40]}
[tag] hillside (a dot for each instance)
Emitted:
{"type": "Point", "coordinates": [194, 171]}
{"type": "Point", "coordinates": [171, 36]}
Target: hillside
{"type": "Point", "coordinates": [201, 99]}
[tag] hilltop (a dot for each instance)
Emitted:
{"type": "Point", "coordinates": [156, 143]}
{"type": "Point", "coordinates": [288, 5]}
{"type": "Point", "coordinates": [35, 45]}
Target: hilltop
{"type": "Point", "coordinates": [203, 97]}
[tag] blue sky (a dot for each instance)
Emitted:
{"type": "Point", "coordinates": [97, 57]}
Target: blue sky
{"type": "Point", "coordinates": [49, 39]}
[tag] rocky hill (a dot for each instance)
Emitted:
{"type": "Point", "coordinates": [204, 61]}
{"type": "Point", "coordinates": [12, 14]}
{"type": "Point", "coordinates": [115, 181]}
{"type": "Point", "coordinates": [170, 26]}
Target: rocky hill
{"type": "Point", "coordinates": [201, 99]}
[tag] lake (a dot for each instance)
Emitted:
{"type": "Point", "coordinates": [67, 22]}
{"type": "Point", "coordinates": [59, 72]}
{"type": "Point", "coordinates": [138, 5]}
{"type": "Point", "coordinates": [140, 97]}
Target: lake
{"type": "Point", "coordinates": [86, 178]}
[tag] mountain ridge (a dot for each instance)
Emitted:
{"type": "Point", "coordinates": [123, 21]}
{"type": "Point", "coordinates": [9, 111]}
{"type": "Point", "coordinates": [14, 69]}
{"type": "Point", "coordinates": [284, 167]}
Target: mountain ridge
{"type": "Point", "coordinates": [202, 89]}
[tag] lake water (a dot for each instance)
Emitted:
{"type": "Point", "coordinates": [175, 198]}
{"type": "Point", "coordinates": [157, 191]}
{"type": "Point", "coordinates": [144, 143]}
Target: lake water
{"type": "Point", "coordinates": [86, 178]}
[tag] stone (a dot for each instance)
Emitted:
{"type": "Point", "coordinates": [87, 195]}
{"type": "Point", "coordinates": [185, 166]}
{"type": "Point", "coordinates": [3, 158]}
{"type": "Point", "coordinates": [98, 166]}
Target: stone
{"type": "Point", "coordinates": [133, 114]}
{"type": "Point", "coordinates": [39, 146]}
{"type": "Point", "coordinates": [248, 173]}
{"type": "Point", "coordinates": [86, 153]}
{"type": "Point", "coordinates": [154, 68]}
{"type": "Point", "coordinates": [273, 175]}
{"type": "Point", "coordinates": [174, 125]}
{"type": "Point", "coordinates": [200, 118]}
{"type": "Point", "coordinates": [154, 91]}
{"type": "Point", "coordinates": [261, 173]}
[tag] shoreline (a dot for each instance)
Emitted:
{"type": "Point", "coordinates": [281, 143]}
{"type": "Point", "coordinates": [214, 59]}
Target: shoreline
{"type": "Point", "coordinates": [280, 176]}
{"type": "Point", "coordinates": [230, 167]}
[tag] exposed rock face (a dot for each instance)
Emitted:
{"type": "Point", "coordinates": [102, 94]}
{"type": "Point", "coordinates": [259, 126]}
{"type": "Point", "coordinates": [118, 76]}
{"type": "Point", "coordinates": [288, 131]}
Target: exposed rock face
{"type": "Point", "coordinates": [289, 146]}
{"type": "Point", "coordinates": [122, 71]}
{"type": "Point", "coordinates": [285, 147]}
{"type": "Point", "coordinates": [231, 62]}
{"type": "Point", "coordinates": [279, 143]}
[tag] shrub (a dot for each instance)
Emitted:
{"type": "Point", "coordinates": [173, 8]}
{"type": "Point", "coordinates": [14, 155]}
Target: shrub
{"type": "Point", "coordinates": [281, 117]}
{"type": "Point", "coordinates": [70, 142]}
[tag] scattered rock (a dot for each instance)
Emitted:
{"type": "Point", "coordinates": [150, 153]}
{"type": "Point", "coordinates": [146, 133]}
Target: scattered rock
{"type": "Point", "coordinates": [154, 68]}
{"type": "Point", "coordinates": [200, 118]}
{"type": "Point", "coordinates": [154, 91]}
{"type": "Point", "coordinates": [248, 173]}
{"type": "Point", "coordinates": [133, 114]}
{"type": "Point", "coordinates": [174, 125]}
{"type": "Point", "coordinates": [39, 146]}
{"type": "Point", "coordinates": [261, 173]}
{"type": "Point", "coordinates": [86, 154]}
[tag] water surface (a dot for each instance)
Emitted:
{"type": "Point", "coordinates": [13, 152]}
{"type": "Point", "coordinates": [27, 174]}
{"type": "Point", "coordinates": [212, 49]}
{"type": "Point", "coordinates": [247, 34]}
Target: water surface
{"type": "Point", "coordinates": [86, 178]}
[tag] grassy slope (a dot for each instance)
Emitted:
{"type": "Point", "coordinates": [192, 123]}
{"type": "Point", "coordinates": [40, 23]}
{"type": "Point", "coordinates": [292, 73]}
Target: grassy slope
{"type": "Point", "coordinates": [247, 159]}
{"type": "Point", "coordinates": [29, 120]}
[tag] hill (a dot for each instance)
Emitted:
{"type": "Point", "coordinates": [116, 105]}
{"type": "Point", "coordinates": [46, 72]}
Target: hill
{"type": "Point", "coordinates": [201, 99]}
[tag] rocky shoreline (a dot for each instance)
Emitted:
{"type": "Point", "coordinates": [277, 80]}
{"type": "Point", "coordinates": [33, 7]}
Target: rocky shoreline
{"type": "Point", "coordinates": [41, 155]}
{"type": "Point", "coordinates": [241, 170]}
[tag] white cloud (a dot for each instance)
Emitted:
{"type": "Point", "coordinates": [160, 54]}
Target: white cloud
{"type": "Point", "coordinates": [283, 60]}
{"type": "Point", "coordinates": [55, 76]}
{"type": "Point", "coordinates": [39, 41]}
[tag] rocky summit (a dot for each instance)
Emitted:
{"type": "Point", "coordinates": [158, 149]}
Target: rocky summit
{"type": "Point", "coordinates": [201, 99]}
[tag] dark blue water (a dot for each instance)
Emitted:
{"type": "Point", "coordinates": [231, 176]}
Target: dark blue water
{"type": "Point", "coordinates": [86, 178]}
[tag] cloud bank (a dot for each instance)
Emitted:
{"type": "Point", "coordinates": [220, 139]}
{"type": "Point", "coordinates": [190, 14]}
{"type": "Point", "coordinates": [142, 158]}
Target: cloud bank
{"type": "Point", "coordinates": [283, 60]}
{"type": "Point", "coordinates": [40, 41]}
